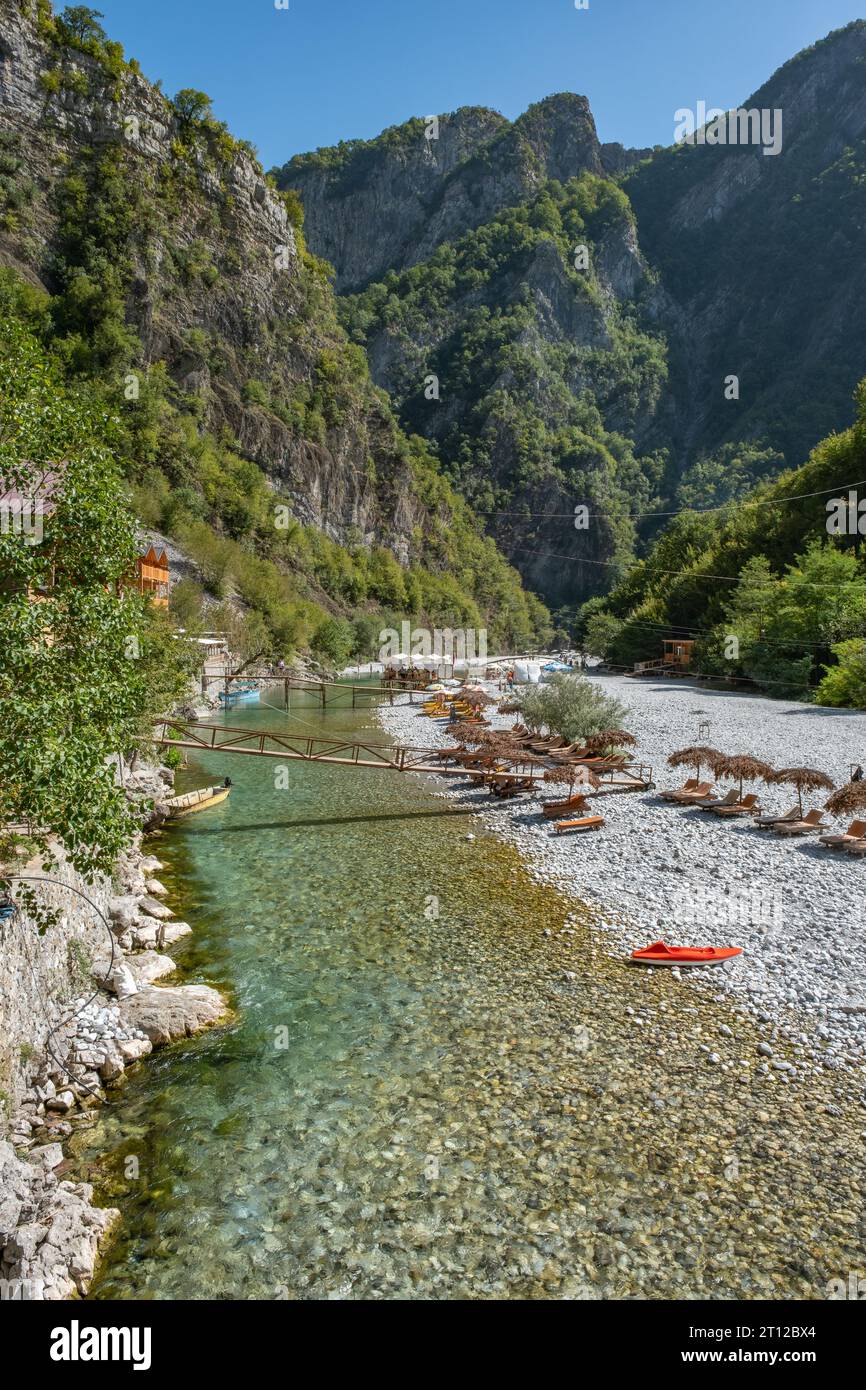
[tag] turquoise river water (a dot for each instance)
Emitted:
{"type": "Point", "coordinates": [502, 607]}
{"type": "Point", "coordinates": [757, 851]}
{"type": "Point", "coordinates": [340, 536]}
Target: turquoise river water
{"type": "Point", "coordinates": [431, 1087]}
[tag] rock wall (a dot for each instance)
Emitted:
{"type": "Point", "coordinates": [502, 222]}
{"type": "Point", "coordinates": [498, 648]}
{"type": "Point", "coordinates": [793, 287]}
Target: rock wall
{"type": "Point", "coordinates": [41, 977]}
{"type": "Point", "coordinates": [78, 1005]}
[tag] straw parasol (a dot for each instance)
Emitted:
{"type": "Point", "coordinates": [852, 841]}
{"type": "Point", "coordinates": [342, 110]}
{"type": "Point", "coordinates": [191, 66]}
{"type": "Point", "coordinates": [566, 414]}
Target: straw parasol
{"type": "Point", "coordinates": [608, 739]}
{"type": "Point", "coordinates": [848, 799]}
{"type": "Point", "coordinates": [469, 733]}
{"type": "Point", "coordinates": [568, 774]}
{"type": "Point", "coordinates": [742, 767]}
{"type": "Point", "coordinates": [476, 697]}
{"type": "Point", "coordinates": [697, 758]}
{"type": "Point", "coordinates": [802, 777]}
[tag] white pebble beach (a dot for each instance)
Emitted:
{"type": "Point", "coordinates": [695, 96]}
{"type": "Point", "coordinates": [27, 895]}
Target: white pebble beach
{"type": "Point", "coordinates": [659, 870]}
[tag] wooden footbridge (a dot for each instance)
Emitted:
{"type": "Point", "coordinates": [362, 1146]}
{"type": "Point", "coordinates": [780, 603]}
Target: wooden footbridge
{"type": "Point", "coordinates": [330, 694]}
{"type": "Point", "coordinates": [259, 743]}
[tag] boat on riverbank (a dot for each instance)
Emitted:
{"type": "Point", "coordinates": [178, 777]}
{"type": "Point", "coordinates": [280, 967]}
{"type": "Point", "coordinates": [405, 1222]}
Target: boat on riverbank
{"type": "Point", "coordinates": [242, 695]}
{"type": "Point", "coordinates": [192, 802]}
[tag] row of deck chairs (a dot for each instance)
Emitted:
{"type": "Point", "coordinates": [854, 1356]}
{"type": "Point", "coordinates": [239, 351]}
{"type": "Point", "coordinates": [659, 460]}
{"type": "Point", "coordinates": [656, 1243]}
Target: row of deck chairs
{"type": "Point", "coordinates": [792, 823]}
{"type": "Point", "coordinates": [563, 753]}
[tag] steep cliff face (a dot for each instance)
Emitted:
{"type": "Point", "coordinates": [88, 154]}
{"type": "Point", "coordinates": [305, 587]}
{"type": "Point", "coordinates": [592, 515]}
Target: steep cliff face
{"type": "Point", "coordinates": [365, 202]}
{"type": "Point", "coordinates": [386, 204]}
{"type": "Point", "coordinates": [523, 350]}
{"type": "Point", "coordinates": [762, 256]}
{"type": "Point", "coordinates": [179, 280]}
{"type": "Point", "coordinates": [732, 262]}
{"type": "Point", "coordinates": [214, 284]}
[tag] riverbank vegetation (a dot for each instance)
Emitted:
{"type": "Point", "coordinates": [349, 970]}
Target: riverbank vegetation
{"type": "Point", "coordinates": [86, 664]}
{"type": "Point", "coordinates": [772, 588]}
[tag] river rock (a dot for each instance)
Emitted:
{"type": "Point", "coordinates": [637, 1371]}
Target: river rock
{"type": "Point", "coordinates": [133, 1049]}
{"type": "Point", "coordinates": [148, 966]}
{"type": "Point", "coordinates": [153, 908]}
{"type": "Point", "coordinates": [166, 1013]}
{"type": "Point", "coordinates": [119, 979]}
{"type": "Point", "coordinates": [174, 931]}
{"type": "Point", "coordinates": [123, 911]}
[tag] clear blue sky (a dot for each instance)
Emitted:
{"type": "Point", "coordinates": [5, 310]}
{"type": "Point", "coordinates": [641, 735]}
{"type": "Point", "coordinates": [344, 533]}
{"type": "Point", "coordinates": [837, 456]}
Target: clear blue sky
{"type": "Point", "coordinates": [326, 70]}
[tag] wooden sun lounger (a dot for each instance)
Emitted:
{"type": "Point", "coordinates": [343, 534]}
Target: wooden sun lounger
{"type": "Point", "coordinates": [742, 808]}
{"type": "Point", "coordinates": [712, 803]}
{"type": "Point", "coordinates": [698, 792]}
{"type": "Point", "coordinates": [564, 827]}
{"type": "Point", "coordinates": [813, 821]}
{"type": "Point", "coordinates": [690, 786]}
{"type": "Point", "coordinates": [552, 810]}
{"type": "Point", "coordinates": [856, 831]}
{"type": "Point", "coordinates": [767, 822]}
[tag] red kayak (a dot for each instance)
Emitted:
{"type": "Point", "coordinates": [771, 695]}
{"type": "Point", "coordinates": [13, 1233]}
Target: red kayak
{"type": "Point", "coordinates": [660, 954]}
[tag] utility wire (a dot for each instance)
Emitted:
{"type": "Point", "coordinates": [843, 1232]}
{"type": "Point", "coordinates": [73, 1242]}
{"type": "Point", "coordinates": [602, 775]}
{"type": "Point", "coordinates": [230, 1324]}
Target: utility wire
{"type": "Point", "coordinates": [700, 511]}
{"type": "Point", "coordinates": [681, 574]}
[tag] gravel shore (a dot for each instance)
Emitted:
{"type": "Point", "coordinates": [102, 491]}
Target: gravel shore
{"type": "Point", "coordinates": [660, 870]}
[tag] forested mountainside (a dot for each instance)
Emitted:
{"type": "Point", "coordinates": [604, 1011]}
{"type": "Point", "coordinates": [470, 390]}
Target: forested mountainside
{"type": "Point", "coordinates": [601, 378]}
{"type": "Point", "coordinates": [170, 282]}
{"type": "Point", "coordinates": [772, 588]}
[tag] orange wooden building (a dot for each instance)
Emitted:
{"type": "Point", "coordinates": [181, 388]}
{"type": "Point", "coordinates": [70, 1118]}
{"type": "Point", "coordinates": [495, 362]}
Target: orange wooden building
{"type": "Point", "coordinates": [678, 652]}
{"type": "Point", "coordinates": [152, 577]}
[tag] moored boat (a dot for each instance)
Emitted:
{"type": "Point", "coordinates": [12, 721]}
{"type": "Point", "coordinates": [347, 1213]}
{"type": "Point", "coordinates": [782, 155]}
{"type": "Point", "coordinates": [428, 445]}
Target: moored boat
{"type": "Point", "coordinates": [242, 695]}
{"type": "Point", "coordinates": [201, 800]}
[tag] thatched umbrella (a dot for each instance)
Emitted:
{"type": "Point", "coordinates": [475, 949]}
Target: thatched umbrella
{"type": "Point", "coordinates": [802, 777]}
{"type": "Point", "coordinates": [568, 774]}
{"type": "Point", "coordinates": [697, 758]}
{"type": "Point", "coordinates": [476, 697]}
{"type": "Point", "coordinates": [467, 732]}
{"type": "Point", "coordinates": [743, 767]}
{"type": "Point", "coordinates": [848, 799]}
{"type": "Point", "coordinates": [609, 739]}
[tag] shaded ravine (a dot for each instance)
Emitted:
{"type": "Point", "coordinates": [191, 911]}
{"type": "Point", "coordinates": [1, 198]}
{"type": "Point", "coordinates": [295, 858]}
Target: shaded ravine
{"type": "Point", "coordinates": [434, 1087]}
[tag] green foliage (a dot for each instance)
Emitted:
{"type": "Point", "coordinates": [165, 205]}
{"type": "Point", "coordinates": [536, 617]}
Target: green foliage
{"type": "Point", "coordinates": [571, 707]}
{"type": "Point", "coordinates": [845, 683]}
{"type": "Point", "coordinates": [192, 107]}
{"type": "Point", "coordinates": [729, 579]}
{"type": "Point", "coordinates": [79, 26]}
{"type": "Point", "coordinates": [529, 413]}
{"type": "Point", "coordinates": [83, 669]}
{"type": "Point", "coordinates": [334, 642]}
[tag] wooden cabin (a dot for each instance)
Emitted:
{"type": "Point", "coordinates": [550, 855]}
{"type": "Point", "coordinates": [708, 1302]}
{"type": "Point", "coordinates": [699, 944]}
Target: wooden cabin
{"type": "Point", "coordinates": [152, 577]}
{"type": "Point", "coordinates": [677, 659]}
{"type": "Point", "coordinates": [678, 652]}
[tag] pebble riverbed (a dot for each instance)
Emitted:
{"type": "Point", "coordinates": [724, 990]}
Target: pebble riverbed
{"type": "Point", "coordinates": [444, 1080]}
{"type": "Point", "coordinates": [659, 870]}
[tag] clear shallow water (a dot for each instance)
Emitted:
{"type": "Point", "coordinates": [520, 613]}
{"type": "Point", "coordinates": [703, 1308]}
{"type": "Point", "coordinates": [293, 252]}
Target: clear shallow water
{"type": "Point", "coordinates": [421, 1105]}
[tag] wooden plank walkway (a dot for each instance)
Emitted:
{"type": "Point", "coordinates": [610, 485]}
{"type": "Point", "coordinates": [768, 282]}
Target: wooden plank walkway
{"type": "Point", "coordinates": [213, 738]}
{"type": "Point", "coordinates": [330, 693]}
{"type": "Point", "coordinates": [261, 743]}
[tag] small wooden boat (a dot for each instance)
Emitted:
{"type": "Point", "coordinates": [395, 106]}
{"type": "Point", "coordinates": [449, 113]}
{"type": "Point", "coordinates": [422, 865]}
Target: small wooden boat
{"type": "Point", "coordinates": [192, 802]}
{"type": "Point", "coordinates": [661, 954]}
{"type": "Point", "coordinates": [242, 695]}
